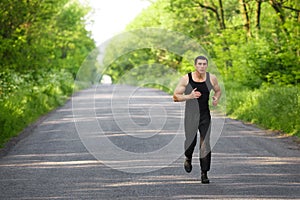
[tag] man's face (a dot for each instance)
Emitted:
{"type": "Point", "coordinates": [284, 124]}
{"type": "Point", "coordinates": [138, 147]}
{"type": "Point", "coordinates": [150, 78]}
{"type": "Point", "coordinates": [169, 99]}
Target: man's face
{"type": "Point", "coordinates": [201, 66]}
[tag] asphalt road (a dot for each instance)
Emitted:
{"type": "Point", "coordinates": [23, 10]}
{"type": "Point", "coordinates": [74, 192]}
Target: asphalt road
{"type": "Point", "coordinates": [106, 144]}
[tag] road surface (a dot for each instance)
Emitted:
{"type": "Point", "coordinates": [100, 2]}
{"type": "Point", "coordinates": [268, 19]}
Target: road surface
{"type": "Point", "coordinates": [105, 144]}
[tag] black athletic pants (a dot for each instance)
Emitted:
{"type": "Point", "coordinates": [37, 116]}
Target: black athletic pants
{"type": "Point", "coordinates": [191, 129]}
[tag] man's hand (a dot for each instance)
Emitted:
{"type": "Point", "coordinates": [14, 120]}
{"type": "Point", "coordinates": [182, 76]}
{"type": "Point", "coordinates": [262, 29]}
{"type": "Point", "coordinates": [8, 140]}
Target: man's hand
{"type": "Point", "coordinates": [195, 94]}
{"type": "Point", "coordinates": [215, 101]}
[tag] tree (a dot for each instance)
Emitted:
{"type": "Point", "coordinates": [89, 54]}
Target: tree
{"type": "Point", "coordinates": [246, 17]}
{"type": "Point", "coordinates": [258, 13]}
{"type": "Point", "coordinates": [225, 29]}
{"type": "Point", "coordinates": [218, 12]}
{"type": "Point", "coordinates": [38, 35]}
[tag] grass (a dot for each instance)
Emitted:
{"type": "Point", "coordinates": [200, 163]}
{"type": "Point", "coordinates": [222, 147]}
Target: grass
{"type": "Point", "coordinates": [272, 107]}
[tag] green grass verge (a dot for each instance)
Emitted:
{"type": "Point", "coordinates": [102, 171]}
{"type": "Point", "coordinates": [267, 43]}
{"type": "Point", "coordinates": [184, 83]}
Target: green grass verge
{"type": "Point", "coordinates": [272, 107]}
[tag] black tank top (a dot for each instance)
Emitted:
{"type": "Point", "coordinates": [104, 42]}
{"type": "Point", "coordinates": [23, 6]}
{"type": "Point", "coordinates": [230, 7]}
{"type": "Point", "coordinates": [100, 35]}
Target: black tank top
{"type": "Point", "coordinates": [204, 88]}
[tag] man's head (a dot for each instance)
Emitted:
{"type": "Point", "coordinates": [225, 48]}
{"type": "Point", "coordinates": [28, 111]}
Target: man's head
{"type": "Point", "coordinates": [200, 58]}
{"type": "Point", "coordinates": [201, 64]}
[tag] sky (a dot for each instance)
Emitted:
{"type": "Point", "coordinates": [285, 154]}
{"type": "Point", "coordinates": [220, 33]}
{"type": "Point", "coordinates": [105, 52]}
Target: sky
{"type": "Point", "coordinates": [110, 17]}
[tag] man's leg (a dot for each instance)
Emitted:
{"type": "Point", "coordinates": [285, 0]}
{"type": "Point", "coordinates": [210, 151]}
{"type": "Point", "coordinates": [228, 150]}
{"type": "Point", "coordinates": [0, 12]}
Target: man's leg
{"type": "Point", "coordinates": [205, 150]}
{"type": "Point", "coordinates": [191, 123]}
{"type": "Point", "coordinates": [191, 129]}
{"type": "Point", "coordinates": [189, 146]}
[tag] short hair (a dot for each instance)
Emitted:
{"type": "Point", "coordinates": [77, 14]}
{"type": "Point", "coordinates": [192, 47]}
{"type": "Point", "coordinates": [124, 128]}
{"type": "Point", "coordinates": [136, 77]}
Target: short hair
{"type": "Point", "coordinates": [200, 58]}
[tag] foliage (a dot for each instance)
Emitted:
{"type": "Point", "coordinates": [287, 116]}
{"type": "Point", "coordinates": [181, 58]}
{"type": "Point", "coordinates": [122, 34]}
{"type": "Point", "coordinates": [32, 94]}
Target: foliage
{"type": "Point", "coordinates": [42, 46]}
{"type": "Point", "coordinates": [269, 50]}
{"type": "Point", "coordinates": [35, 35]}
{"type": "Point", "coordinates": [25, 97]}
{"type": "Point", "coordinates": [275, 107]}
{"type": "Point", "coordinates": [254, 43]}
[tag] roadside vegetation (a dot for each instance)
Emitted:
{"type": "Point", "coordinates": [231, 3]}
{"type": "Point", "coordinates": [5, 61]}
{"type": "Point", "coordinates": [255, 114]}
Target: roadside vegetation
{"type": "Point", "coordinates": [254, 44]}
{"type": "Point", "coordinates": [42, 45]}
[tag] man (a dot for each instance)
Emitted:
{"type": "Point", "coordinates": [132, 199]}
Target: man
{"type": "Point", "coordinates": [194, 88]}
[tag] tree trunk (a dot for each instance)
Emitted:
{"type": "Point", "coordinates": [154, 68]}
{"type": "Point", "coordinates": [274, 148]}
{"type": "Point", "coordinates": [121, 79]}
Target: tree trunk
{"type": "Point", "coordinates": [222, 15]}
{"type": "Point", "coordinates": [278, 7]}
{"type": "Point", "coordinates": [258, 11]}
{"type": "Point", "coordinates": [215, 10]}
{"type": "Point", "coordinates": [245, 17]}
{"type": "Point", "coordinates": [279, 10]}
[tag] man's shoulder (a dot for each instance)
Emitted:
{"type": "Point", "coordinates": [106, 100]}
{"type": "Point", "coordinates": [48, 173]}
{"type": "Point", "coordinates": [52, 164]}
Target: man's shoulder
{"type": "Point", "coordinates": [213, 78]}
{"type": "Point", "coordinates": [185, 77]}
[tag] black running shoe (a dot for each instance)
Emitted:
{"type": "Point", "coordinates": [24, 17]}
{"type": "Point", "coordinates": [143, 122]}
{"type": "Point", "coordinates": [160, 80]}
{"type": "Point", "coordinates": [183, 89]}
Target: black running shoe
{"type": "Point", "coordinates": [204, 178]}
{"type": "Point", "coordinates": [188, 165]}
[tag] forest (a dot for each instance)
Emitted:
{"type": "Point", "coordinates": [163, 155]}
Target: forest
{"type": "Point", "coordinates": [42, 45]}
{"type": "Point", "coordinates": [254, 45]}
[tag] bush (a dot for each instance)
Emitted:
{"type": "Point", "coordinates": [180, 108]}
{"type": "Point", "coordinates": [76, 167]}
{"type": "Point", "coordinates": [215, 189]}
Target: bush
{"type": "Point", "coordinates": [24, 98]}
{"type": "Point", "coordinates": [273, 107]}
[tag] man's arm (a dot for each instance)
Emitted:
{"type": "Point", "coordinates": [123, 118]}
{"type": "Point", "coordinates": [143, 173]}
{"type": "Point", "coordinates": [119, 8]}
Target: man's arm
{"type": "Point", "coordinates": [179, 95]}
{"type": "Point", "coordinates": [216, 89]}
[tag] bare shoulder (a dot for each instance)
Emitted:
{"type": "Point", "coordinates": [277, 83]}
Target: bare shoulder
{"type": "Point", "coordinates": [212, 76]}
{"type": "Point", "coordinates": [181, 87]}
{"type": "Point", "coordinates": [213, 79]}
{"type": "Point", "coordinates": [184, 80]}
